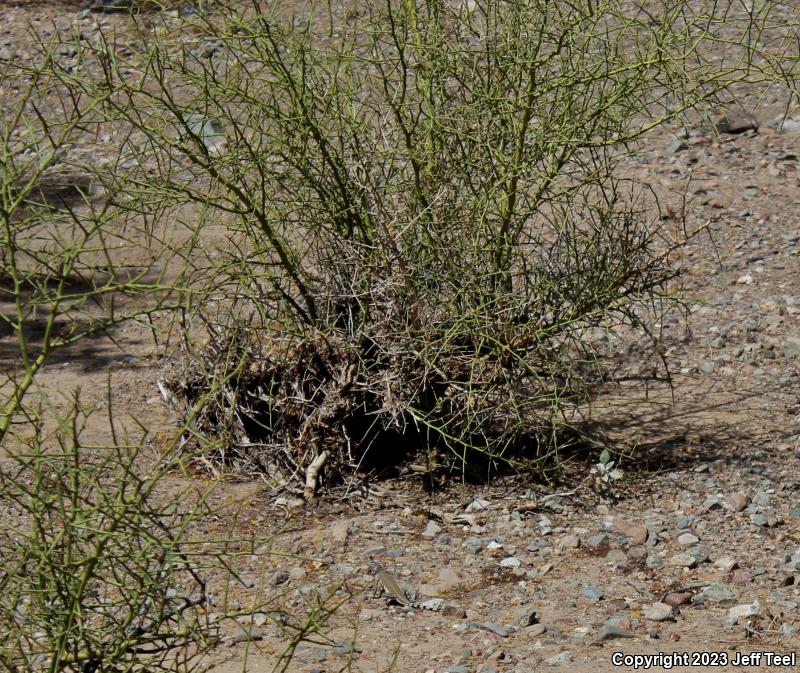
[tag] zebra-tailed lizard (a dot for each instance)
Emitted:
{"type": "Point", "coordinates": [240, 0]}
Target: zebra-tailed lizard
{"type": "Point", "coordinates": [386, 584]}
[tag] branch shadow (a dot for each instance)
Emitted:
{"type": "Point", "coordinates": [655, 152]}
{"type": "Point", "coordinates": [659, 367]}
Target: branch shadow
{"type": "Point", "coordinates": [702, 424]}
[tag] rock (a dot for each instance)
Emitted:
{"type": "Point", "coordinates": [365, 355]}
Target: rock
{"type": "Point", "coordinates": [592, 594]}
{"type": "Point", "coordinates": [762, 499]}
{"type": "Point", "coordinates": [718, 592]}
{"type": "Point", "coordinates": [683, 560]}
{"type": "Point", "coordinates": [559, 659]}
{"type": "Point", "coordinates": [535, 630]}
{"type": "Point", "coordinates": [791, 347]}
{"type": "Point", "coordinates": [455, 611]}
{"type": "Point", "coordinates": [569, 541]}
{"type": "Point", "coordinates": [742, 611]}
{"type": "Point", "coordinates": [726, 563]}
{"type": "Point", "coordinates": [699, 553]}
{"type": "Point", "coordinates": [611, 631]}
{"type": "Point", "coordinates": [6, 54]}
{"type": "Point", "coordinates": [655, 561]}
{"type": "Point", "coordinates": [738, 502]}
{"type": "Point", "coordinates": [638, 553]}
{"type": "Point", "coordinates": [749, 192]}
{"type": "Point", "coordinates": [617, 556]}
{"type": "Point", "coordinates": [473, 545]}
{"type": "Point", "coordinates": [510, 562]}
{"type": "Point", "coordinates": [786, 126]}
{"type": "Point", "coordinates": [658, 612]}
{"type": "Point", "coordinates": [596, 541]}
{"type": "Point", "coordinates": [209, 130]}
{"type": "Point", "coordinates": [477, 505]}
{"type": "Point", "coordinates": [498, 630]}
{"type": "Point", "coordinates": [688, 539]}
{"type": "Point", "coordinates": [678, 598]}
{"type": "Point", "coordinates": [710, 577]}
{"type": "Point", "coordinates": [747, 279]}
{"type": "Point", "coordinates": [434, 604]}
{"type": "Point", "coordinates": [432, 529]}
{"type": "Point", "coordinates": [737, 121]}
{"type": "Point", "coordinates": [742, 577]}
{"type": "Point", "coordinates": [635, 532]}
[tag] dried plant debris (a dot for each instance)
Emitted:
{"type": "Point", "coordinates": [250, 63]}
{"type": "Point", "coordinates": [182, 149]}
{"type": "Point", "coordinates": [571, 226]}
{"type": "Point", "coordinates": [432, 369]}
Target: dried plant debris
{"type": "Point", "coordinates": [274, 406]}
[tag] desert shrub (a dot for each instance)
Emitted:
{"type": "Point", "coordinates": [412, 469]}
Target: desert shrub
{"type": "Point", "coordinates": [426, 213]}
{"type": "Point", "coordinates": [100, 565]}
{"type": "Point", "coordinates": [73, 263]}
{"type": "Point", "coordinates": [104, 569]}
{"type": "Point", "coordinates": [97, 574]}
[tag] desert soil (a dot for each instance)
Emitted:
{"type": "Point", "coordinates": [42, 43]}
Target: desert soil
{"type": "Point", "coordinates": [696, 550]}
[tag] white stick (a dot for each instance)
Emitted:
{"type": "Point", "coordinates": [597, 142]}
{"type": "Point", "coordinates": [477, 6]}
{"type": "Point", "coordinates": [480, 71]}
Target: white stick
{"type": "Point", "coordinates": [312, 474]}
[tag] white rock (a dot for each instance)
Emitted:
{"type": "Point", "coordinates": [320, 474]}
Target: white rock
{"type": "Point", "coordinates": [658, 612]}
{"type": "Point", "coordinates": [432, 529]}
{"type": "Point", "coordinates": [726, 563]}
{"type": "Point", "coordinates": [747, 610]}
{"type": "Point", "coordinates": [477, 505]}
{"type": "Point", "coordinates": [683, 560]}
{"type": "Point", "coordinates": [747, 279]}
{"type": "Point", "coordinates": [536, 630]}
{"type": "Point", "coordinates": [788, 126]}
{"type": "Point", "coordinates": [559, 659]}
